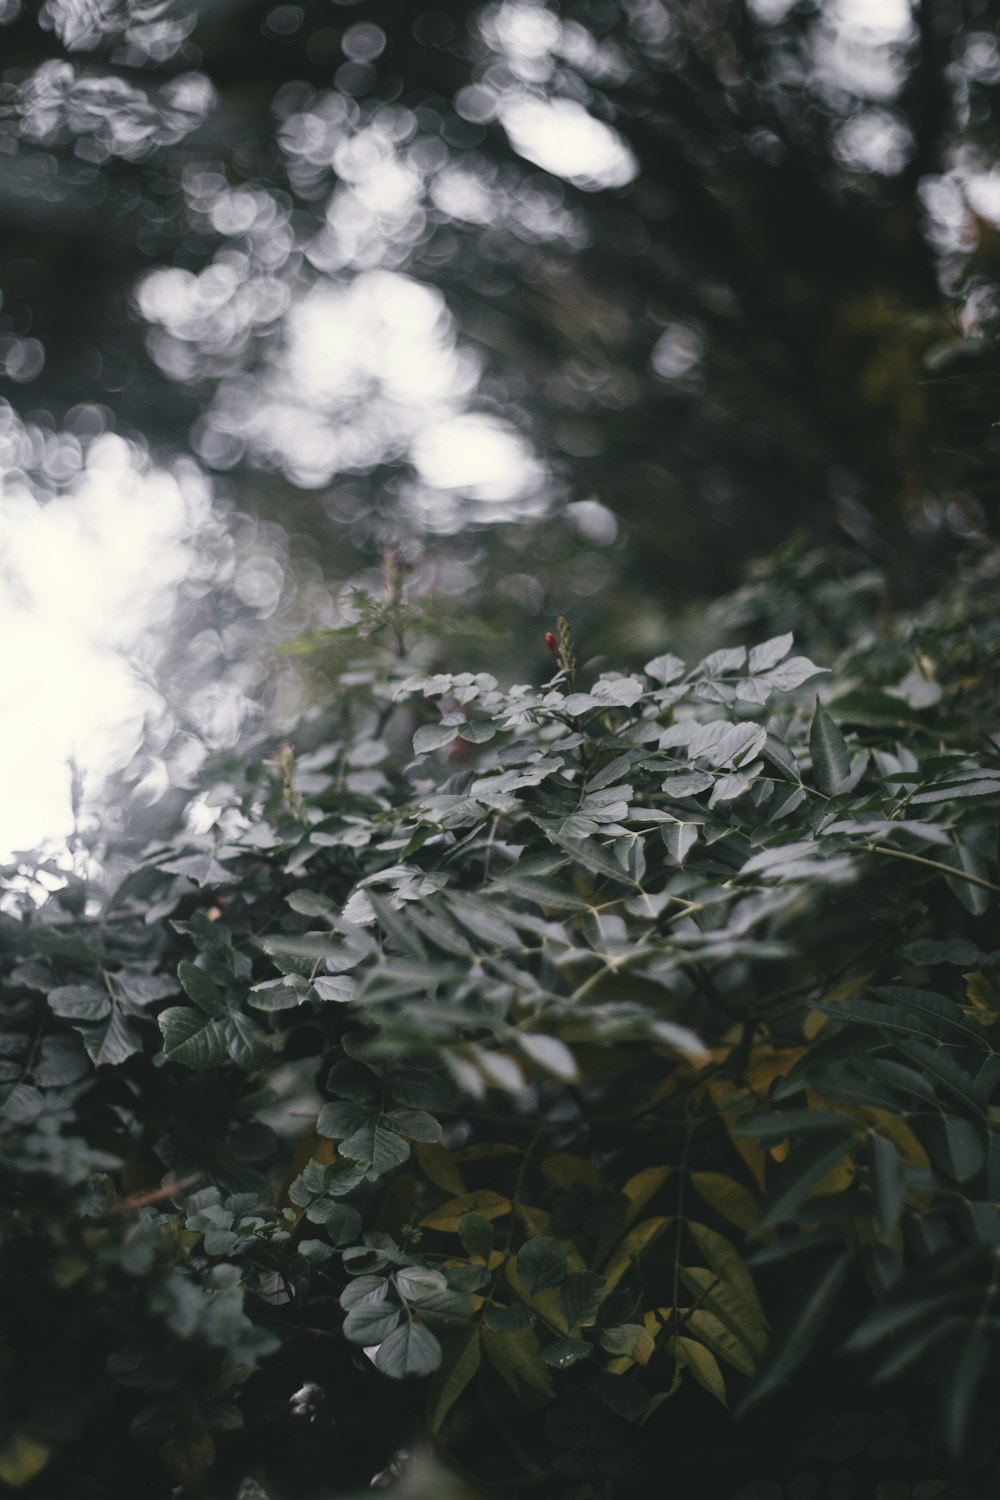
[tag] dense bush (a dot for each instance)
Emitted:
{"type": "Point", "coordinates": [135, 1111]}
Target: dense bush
{"type": "Point", "coordinates": [531, 1077]}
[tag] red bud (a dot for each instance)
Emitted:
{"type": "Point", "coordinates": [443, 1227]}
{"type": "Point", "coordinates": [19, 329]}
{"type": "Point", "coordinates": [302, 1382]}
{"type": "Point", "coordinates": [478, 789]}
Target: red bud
{"type": "Point", "coordinates": [552, 644]}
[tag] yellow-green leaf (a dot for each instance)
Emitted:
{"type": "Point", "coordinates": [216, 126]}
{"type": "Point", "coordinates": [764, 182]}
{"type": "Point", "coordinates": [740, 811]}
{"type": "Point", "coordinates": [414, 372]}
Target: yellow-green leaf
{"type": "Point", "coordinates": [711, 1331]}
{"type": "Point", "coordinates": [21, 1458]}
{"type": "Point", "coordinates": [984, 1005]}
{"type": "Point", "coordinates": [517, 1359]}
{"type": "Point", "coordinates": [729, 1199]}
{"type": "Point", "coordinates": [643, 1187]}
{"type": "Point", "coordinates": [483, 1201]}
{"type": "Point", "coordinates": [631, 1340]}
{"type": "Point", "coordinates": [566, 1171]}
{"type": "Point", "coordinates": [438, 1164]}
{"type": "Point", "coordinates": [703, 1366]}
{"type": "Point", "coordinates": [722, 1258]}
{"type": "Point", "coordinates": [459, 1363]}
{"type": "Point", "coordinates": [485, 1151]}
{"type": "Point", "coordinates": [743, 1318]}
{"type": "Point", "coordinates": [635, 1243]}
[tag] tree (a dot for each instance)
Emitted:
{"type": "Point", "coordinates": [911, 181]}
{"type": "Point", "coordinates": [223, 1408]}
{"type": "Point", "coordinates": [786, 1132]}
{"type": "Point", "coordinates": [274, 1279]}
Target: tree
{"type": "Point", "coordinates": [641, 1034]}
{"type": "Point", "coordinates": [754, 266]}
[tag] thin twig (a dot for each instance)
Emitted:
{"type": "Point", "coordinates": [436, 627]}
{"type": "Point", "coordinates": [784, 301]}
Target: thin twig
{"type": "Point", "coordinates": [933, 864]}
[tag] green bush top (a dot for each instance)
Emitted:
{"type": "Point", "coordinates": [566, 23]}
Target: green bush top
{"type": "Point", "coordinates": [575, 1049]}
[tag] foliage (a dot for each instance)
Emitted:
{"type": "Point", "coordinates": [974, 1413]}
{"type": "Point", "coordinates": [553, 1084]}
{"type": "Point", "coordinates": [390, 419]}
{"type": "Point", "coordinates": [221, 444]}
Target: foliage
{"type": "Point", "coordinates": [788, 198]}
{"type": "Point", "coordinates": [537, 1074]}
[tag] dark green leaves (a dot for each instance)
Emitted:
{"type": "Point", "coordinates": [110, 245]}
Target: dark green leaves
{"type": "Point", "coordinates": [370, 1137]}
{"type": "Point", "coordinates": [831, 759]}
{"type": "Point", "coordinates": [476, 1234]}
{"type": "Point", "coordinates": [80, 1002]}
{"type": "Point", "coordinates": [519, 982]}
{"type": "Point", "coordinates": [200, 987]}
{"type": "Point", "coordinates": [192, 1038]}
{"type": "Point", "coordinates": [540, 1264]}
{"type": "Point", "coordinates": [411, 1350]}
{"type": "Point", "coordinates": [805, 1323]}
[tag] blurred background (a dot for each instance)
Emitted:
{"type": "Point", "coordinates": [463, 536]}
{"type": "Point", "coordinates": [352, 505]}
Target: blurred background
{"type": "Point", "coordinates": [608, 307]}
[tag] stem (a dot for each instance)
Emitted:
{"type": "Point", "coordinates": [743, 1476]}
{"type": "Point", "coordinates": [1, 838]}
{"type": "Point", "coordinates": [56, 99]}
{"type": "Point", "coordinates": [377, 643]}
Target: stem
{"type": "Point", "coordinates": [681, 1187]}
{"type": "Point", "coordinates": [932, 864]}
{"type": "Point", "coordinates": [515, 1202]}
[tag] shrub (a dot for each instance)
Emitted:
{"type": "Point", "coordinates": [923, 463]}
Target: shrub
{"type": "Point", "coordinates": [530, 1076]}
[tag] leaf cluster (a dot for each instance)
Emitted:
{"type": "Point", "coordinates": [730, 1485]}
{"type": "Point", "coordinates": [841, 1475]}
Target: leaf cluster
{"type": "Point", "coordinates": [602, 1052]}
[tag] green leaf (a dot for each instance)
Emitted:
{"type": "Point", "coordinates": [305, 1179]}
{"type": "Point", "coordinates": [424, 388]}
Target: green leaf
{"type": "Point", "coordinates": [200, 987]}
{"type": "Point", "coordinates": [723, 1259]}
{"type": "Point", "coordinates": [728, 1198]}
{"type": "Point", "coordinates": [801, 1333]}
{"type": "Point", "coordinates": [580, 1298]}
{"type": "Point", "coordinates": [550, 1053]}
{"type": "Point", "coordinates": [510, 1319]}
{"type": "Point", "coordinates": [886, 1017]}
{"type": "Point", "coordinates": [791, 674]}
{"type": "Point", "coordinates": [434, 737]}
{"type": "Point", "coordinates": [680, 839]}
{"type": "Point", "coordinates": [958, 951]}
{"type": "Point", "coordinates": [949, 792]}
{"type": "Point", "coordinates": [21, 1104]}
{"type": "Point", "coordinates": [973, 897]}
{"type": "Point", "coordinates": [404, 938]}
{"type": "Point", "coordinates": [477, 732]}
{"type": "Point", "coordinates": [459, 1364]}
{"type": "Point", "coordinates": [517, 1359]}
{"type": "Point", "coordinates": [779, 1123]}
{"type": "Point", "coordinates": [964, 1376]}
{"type": "Point", "coordinates": [79, 1002]}
{"type": "Point", "coordinates": [341, 1222]}
{"type": "Point", "coordinates": [542, 891]}
{"type": "Point", "coordinates": [887, 1184]}
{"type": "Point", "coordinates": [279, 994]}
{"type": "Point", "coordinates": [703, 1366]}
{"type": "Point", "coordinates": [310, 903]}
{"type": "Point", "coordinates": [22, 1457]}
{"type": "Point", "coordinates": [349, 1079]}
{"type": "Point", "coordinates": [562, 1353]}
{"type": "Point", "coordinates": [964, 1140]}
{"type": "Point", "coordinates": [364, 1289]}
{"type": "Point", "coordinates": [343, 1118]}
{"type": "Point", "coordinates": [800, 1174]}
{"type": "Point", "coordinates": [592, 856]}
{"type": "Point", "coordinates": [664, 669]}
{"type": "Point", "coordinates": [687, 783]}
{"type": "Point", "coordinates": [715, 1335]}
{"type": "Point", "coordinates": [935, 1007]}
{"type": "Point", "coordinates": [541, 1263]}
{"type": "Point", "coordinates": [429, 1292]}
{"type": "Point", "coordinates": [192, 1038]}
{"type": "Point", "coordinates": [722, 744]}
{"type": "Point", "coordinates": [630, 1339]}
{"type": "Point", "coordinates": [203, 869]}
{"type": "Point", "coordinates": [369, 1322]}
{"type": "Point", "coordinates": [769, 653]}
{"type": "Point", "coordinates": [245, 1042]}
{"type": "Point", "coordinates": [312, 1250]}
{"type": "Point", "coordinates": [411, 1350]}
{"type": "Point", "coordinates": [419, 1088]}
{"type": "Point", "coordinates": [476, 1234]}
{"type": "Point", "coordinates": [415, 1123]}
{"type": "Point", "coordinates": [953, 1078]}
{"type": "Point", "coordinates": [377, 1146]}
{"type": "Point", "coordinates": [830, 756]}
{"type": "Point", "coordinates": [741, 1315]}
{"type": "Point", "coordinates": [109, 1045]}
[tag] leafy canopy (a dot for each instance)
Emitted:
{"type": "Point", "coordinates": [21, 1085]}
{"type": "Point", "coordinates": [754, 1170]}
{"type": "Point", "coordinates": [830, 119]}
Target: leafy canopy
{"type": "Point", "coordinates": [588, 1046]}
